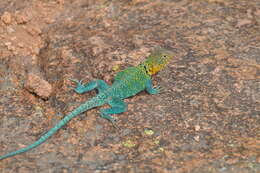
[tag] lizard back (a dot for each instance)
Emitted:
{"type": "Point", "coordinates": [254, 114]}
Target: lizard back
{"type": "Point", "coordinates": [129, 82]}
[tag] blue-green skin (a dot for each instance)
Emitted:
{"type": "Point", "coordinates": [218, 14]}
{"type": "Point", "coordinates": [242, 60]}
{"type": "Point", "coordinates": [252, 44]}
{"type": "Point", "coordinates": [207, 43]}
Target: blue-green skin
{"type": "Point", "coordinates": [127, 83]}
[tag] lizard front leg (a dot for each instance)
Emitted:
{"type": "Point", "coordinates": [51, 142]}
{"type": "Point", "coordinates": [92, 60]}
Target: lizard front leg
{"type": "Point", "coordinates": [150, 89]}
{"type": "Point", "coordinates": [100, 85]}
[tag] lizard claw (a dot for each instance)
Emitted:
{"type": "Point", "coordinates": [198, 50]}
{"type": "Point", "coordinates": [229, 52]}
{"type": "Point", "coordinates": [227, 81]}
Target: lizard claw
{"type": "Point", "coordinates": [156, 90]}
{"type": "Point", "coordinates": [79, 85]}
{"type": "Point", "coordinates": [109, 118]}
{"type": "Point", "coordinates": [113, 121]}
{"type": "Point", "coordinates": [78, 82]}
{"type": "Point", "coordinates": [161, 90]}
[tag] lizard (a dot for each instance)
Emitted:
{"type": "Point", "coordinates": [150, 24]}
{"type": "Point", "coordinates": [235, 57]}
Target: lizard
{"type": "Point", "coordinates": [126, 83]}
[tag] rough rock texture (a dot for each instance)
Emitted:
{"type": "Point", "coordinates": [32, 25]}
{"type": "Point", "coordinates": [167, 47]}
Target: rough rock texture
{"type": "Point", "coordinates": [207, 119]}
{"type": "Point", "coordinates": [36, 85]}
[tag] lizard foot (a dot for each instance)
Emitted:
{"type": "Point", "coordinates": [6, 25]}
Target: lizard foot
{"type": "Point", "coordinates": [156, 90]}
{"type": "Point", "coordinates": [109, 118]}
{"type": "Point", "coordinates": [79, 86]}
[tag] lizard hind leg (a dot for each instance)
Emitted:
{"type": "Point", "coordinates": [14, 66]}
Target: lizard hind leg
{"type": "Point", "coordinates": [100, 85]}
{"type": "Point", "coordinates": [117, 106]}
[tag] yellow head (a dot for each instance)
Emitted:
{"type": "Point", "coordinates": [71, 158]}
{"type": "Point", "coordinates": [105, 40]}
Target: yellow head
{"type": "Point", "coordinates": [157, 60]}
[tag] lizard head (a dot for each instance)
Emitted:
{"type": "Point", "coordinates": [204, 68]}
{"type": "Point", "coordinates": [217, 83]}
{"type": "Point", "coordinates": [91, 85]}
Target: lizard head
{"type": "Point", "coordinates": [157, 60]}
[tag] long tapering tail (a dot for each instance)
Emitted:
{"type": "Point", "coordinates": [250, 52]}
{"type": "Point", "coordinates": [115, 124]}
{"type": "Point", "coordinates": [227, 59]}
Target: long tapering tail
{"type": "Point", "coordinates": [82, 108]}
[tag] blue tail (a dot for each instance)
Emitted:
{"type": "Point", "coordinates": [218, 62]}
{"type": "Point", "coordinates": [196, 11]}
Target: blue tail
{"type": "Point", "coordinates": [82, 108]}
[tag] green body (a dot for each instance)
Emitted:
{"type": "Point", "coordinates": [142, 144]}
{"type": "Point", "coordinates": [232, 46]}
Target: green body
{"type": "Point", "coordinates": [127, 83]}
